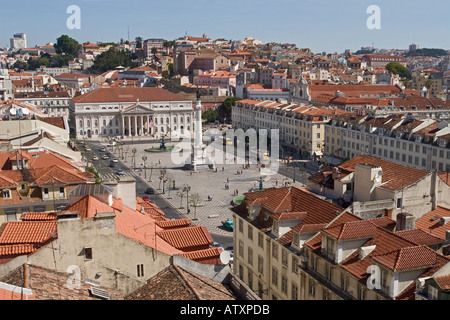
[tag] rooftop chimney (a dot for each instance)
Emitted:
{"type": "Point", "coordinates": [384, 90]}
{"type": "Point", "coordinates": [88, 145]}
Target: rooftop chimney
{"type": "Point", "coordinates": [405, 221]}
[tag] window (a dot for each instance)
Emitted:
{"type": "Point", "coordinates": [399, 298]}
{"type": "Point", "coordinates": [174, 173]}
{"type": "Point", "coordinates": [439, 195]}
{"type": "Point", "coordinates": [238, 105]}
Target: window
{"type": "Point", "coordinates": [260, 289]}
{"type": "Point", "coordinates": [261, 240]}
{"type": "Point", "coordinates": [88, 253]}
{"type": "Point", "coordinates": [284, 257]}
{"type": "Point", "coordinates": [294, 264]}
{"type": "Point", "coordinates": [274, 250]}
{"type": "Point", "coordinates": [274, 276]}
{"type": "Point", "coordinates": [250, 232]}
{"type": "Point", "coordinates": [140, 270]}
{"type": "Point", "coordinates": [46, 193]}
{"type": "Point", "coordinates": [328, 275]}
{"type": "Point", "coordinates": [6, 194]}
{"type": "Point", "coordinates": [314, 262]}
{"type": "Point", "coordinates": [399, 202]}
{"type": "Point", "coordinates": [241, 248]}
{"type": "Point", "coordinates": [260, 264]}
{"type": "Point", "coordinates": [250, 255]}
{"type": "Point", "coordinates": [284, 286]}
{"type": "Point", "coordinates": [312, 287]}
{"type": "Point", "coordinates": [241, 226]}
{"type": "Point", "coordinates": [361, 293]}
{"type": "Point", "coordinates": [294, 292]}
{"type": "Point", "coordinates": [432, 293]}
{"type": "Point", "coordinates": [61, 192]}
{"type": "Point", "coordinates": [250, 279]}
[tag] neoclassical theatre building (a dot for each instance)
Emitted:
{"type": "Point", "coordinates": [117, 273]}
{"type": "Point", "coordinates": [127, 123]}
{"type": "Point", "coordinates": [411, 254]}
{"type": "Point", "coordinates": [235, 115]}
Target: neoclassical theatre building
{"type": "Point", "coordinates": [130, 112]}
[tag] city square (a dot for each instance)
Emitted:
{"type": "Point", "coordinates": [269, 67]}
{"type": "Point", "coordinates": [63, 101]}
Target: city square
{"type": "Point", "coordinates": [181, 183]}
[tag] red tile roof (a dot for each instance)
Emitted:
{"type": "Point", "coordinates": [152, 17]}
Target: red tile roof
{"type": "Point", "coordinates": [188, 237]}
{"type": "Point", "coordinates": [38, 216]}
{"type": "Point", "coordinates": [27, 232]}
{"type": "Point", "coordinates": [430, 222]}
{"type": "Point", "coordinates": [352, 230]}
{"type": "Point", "coordinates": [443, 282]}
{"type": "Point", "coordinates": [420, 237]}
{"type": "Point", "coordinates": [289, 216]}
{"type": "Point", "coordinates": [395, 176]}
{"type": "Point", "coordinates": [126, 94]}
{"type": "Point", "coordinates": [409, 258]}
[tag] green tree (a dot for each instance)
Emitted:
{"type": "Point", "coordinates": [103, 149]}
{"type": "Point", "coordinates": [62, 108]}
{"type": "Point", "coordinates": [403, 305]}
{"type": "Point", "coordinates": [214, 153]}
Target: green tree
{"type": "Point", "coordinates": [66, 45]}
{"type": "Point", "coordinates": [138, 42]}
{"type": "Point", "coordinates": [398, 68]}
{"type": "Point", "coordinates": [210, 115]}
{"type": "Point", "coordinates": [225, 108]}
{"type": "Point", "coordinates": [113, 58]}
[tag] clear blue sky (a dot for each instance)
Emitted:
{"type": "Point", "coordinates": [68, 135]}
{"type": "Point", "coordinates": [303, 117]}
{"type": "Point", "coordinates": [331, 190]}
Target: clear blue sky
{"type": "Point", "coordinates": [322, 25]}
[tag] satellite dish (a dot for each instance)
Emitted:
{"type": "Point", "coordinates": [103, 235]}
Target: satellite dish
{"type": "Point", "coordinates": [225, 257]}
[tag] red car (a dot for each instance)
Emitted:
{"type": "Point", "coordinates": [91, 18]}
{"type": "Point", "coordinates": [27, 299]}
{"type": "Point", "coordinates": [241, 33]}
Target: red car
{"type": "Point", "coordinates": [146, 198]}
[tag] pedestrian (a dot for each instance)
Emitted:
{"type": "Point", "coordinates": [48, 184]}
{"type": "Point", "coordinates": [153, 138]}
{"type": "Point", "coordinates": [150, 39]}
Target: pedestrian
{"type": "Point", "coordinates": [237, 192]}
{"type": "Point", "coordinates": [228, 180]}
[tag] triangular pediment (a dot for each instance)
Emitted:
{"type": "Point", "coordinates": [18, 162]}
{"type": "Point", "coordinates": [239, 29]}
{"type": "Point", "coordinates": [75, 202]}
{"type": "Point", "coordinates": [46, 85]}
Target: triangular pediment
{"type": "Point", "coordinates": [136, 108]}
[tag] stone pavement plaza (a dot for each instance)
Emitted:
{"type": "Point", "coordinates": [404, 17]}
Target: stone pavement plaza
{"type": "Point", "coordinates": [204, 182]}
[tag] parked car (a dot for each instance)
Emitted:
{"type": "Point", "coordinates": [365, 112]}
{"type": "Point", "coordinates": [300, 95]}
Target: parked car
{"type": "Point", "coordinates": [146, 198]}
{"type": "Point", "coordinates": [115, 160]}
{"type": "Point", "coordinates": [88, 149]}
{"type": "Point", "coordinates": [111, 144]}
{"type": "Point", "coordinates": [150, 191]}
{"type": "Point", "coordinates": [228, 224]}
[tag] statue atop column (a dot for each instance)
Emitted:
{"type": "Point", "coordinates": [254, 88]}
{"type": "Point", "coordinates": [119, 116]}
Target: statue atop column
{"type": "Point", "coordinates": [198, 94]}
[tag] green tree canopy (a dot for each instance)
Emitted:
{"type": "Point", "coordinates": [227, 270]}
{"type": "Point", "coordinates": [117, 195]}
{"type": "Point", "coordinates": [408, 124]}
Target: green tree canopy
{"type": "Point", "coordinates": [398, 68]}
{"type": "Point", "coordinates": [66, 45]}
{"type": "Point", "coordinates": [210, 115]}
{"type": "Point", "coordinates": [225, 107]}
{"type": "Point", "coordinates": [113, 58]}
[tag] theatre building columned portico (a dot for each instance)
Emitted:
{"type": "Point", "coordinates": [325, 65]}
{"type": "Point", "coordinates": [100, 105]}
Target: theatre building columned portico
{"type": "Point", "coordinates": [130, 112]}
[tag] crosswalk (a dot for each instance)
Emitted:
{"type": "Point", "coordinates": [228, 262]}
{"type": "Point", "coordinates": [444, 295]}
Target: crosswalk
{"type": "Point", "coordinates": [114, 175]}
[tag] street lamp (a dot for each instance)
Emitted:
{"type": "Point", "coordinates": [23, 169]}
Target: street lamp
{"type": "Point", "coordinates": [144, 158]}
{"type": "Point", "coordinates": [134, 158]}
{"type": "Point", "coordinates": [187, 188]}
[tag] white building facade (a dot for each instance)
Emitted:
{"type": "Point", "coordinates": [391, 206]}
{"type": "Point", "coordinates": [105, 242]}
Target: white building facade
{"type": "Point", "coordinates": [130, 112]}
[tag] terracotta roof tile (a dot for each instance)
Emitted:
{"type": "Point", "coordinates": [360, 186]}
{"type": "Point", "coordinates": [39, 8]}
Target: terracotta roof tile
{"type": "Point", "coordinates": [408, 258]}
{"type": "Point", "coordinates": [289, 216]}
{"type": "Point", "coordinates": [443, 282]}
{"type": "Point", "coordinates": [420, 237]}
{"type": "Point", "coordinates": [38, 216]}
{"type": "Point", "coordinates": [202, 254]}
{"type": "Point", "coordinates": [395, 176]}
{"type": "Point", "coordinates": [189, 237]}
{"type": "Point", "coordinates": [431, 222]}
{"type": "Point", "coordinates": [352, 230]}
{"type": "Point", "coordinates": [170, 224]}
{"type": "Point", "coordinates": [126, 94]}
{"type": "Point", "coordinates": [27, 232]}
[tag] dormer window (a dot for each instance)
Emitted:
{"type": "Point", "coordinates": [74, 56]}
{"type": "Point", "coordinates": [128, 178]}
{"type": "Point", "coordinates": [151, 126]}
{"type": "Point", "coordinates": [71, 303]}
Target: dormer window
{"type": "Point", "coordinates": [6, 194]}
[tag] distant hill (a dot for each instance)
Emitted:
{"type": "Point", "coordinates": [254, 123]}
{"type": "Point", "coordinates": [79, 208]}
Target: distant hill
{"type": "Point", "coordinates": [427, 52]}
